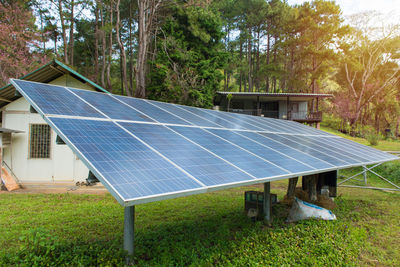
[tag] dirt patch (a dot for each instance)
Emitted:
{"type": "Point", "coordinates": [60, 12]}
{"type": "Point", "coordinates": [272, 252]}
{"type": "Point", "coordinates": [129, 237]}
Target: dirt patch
{"type": "Point", "coordinates": [322, 201]}
{"type": "Point", "coordinates": [92, 190]}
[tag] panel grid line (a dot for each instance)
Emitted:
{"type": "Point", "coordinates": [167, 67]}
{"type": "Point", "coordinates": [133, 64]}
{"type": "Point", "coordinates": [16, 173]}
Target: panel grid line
{"type": "Point", "coordinates": [146, 150]}
{"type": "Point", "coordinates": [319, 151]}
{"type": "Point", "coordinates": [275, 150]}
{"type": "Point", "coordinates": [200, 183]}
{"type": "Point", "coordinates": [294, 148]}
{"type": "Point", "coordinates": [248, 151]}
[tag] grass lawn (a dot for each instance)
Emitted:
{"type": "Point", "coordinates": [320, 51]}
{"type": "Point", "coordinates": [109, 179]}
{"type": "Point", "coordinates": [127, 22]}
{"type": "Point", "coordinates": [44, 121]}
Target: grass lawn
{"type": "Point", "coordinates": [201, 230]}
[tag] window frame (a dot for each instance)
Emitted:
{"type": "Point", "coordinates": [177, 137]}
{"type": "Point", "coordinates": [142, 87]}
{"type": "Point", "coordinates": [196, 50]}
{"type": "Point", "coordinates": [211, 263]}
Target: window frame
{"type": "Point", "coordinates": [30, 142]}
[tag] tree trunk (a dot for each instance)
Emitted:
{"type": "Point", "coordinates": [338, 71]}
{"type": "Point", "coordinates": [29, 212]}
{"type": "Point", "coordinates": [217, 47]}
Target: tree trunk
{"type": "Point", "coordinates": [258, 62]}
{"type": "Point", "coordinates": [240, 66]}
{"type": "Point", "coordinates": [275, 56]}
{"type": "Point", "coordinates": [130, 50]}
{"type": "Point", "coordinates": [314, 84]}
{"type": "Point", "coordinates": [268, 55]}
{"type": "Point", "coordinates": [104, 47]}
{"type": "Point", "coordinates": [292, 187]}
{"type": "Point", "coordinates": [147, 10]}
{"type": "Point", "coordinates": [142, 49]}
{"type": "Point", "coordinates": [125, 85]}
{"type": "Point", "coordinates": [96, 43]}
{"type": "Point", "coordinates": [249, 43]}
{"type": "Point", "coordinates": [110, 50]}
{"type": "Point", "coordinates": [64, 31]}
{"type": "Point", "coordinates": [55, 43]}
{"type": "Point", "coordinates": [71, 34]}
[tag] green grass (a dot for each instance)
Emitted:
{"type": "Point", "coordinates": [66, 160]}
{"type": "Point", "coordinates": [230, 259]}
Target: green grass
{"type": "Point", "coordinates": [387, 145]}
{"type": "Point", "coordinates": [202, 230]}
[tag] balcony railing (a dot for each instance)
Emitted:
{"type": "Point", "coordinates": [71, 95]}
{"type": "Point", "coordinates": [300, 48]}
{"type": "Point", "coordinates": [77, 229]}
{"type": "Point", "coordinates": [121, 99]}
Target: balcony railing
{"type": "Point", "coordinates": [305, 116]}
{"type": "Point", "coordinates": [254, 112]}
{"type": "Point", "coordinates": [301, 116]}
{"type": "Point", "coordinates": [257, 112]}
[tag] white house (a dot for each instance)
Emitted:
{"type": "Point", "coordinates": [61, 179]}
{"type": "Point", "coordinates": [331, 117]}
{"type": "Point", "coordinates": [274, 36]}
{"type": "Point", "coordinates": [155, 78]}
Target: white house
{"type": "Point", "coordinates": [34, 155]}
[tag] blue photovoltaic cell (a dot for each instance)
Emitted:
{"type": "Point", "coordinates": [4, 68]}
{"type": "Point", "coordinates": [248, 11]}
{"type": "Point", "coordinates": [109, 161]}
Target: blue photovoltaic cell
{"type": "Point", "coordinates": [224, 118]}
{"type": "Point", "coordinates": [263, 124]}
{"type": "Point", "coordinates": [141, 160]}
{"type": "Point", "coordinates": [125, 163]}
{"type": "Point", "coordinates": [369, 152]}
{"type": "Point", "coordinates": [111, 106]}
{"type": "Point", "coordinates": [334, 150]}
{"type": "Point", "coordinates": [152, 111]}
{"type": "Point", "coordinates": [287, 150]}
{"type": "Point", "coordinates": [278, 126]}
{"type": "Point", "coordinates": [181, 113]}
{"type": "Point", "coordinates": [306, 149]}
{"type": "Point", "coordinates": [216, 119]}
{"type": "Point", "coordinates": [56, 100]}
{"type": "Point", "coordinates": [198, 162]}
{"type": "Point", "coordinates": [269, 154]}
{"type": "Point", "coordinates": [327, 151]}
{"type": "Point", "coordinates": [244, 160]}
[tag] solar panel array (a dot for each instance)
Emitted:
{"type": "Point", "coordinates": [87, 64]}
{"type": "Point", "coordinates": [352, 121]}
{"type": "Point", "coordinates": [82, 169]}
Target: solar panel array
{"type": "Point", "coordinates": [144, 150]}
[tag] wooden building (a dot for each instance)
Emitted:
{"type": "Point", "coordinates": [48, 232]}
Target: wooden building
{"type": "Point", "coordinates": [291, 106]}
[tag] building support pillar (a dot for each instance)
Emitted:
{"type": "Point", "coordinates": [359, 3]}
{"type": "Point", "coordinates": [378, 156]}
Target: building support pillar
{"type": "Point", "coordinates": [129, 232]}
{"type": "Point", "coordinates": [267, 203]}
{"type": "Point", "coordinates": [317, 124]}
{"type": "Point", "coordinates": [287, 108]}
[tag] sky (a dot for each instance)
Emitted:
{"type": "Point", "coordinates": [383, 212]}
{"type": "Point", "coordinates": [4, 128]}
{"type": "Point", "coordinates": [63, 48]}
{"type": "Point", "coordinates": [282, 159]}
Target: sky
{"type": "Point", "coordinates": [390, 7]}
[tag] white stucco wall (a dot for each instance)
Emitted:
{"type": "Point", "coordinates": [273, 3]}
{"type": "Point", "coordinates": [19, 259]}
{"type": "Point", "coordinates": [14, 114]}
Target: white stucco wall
{"type": "Point", "coordinates": [62, 166]}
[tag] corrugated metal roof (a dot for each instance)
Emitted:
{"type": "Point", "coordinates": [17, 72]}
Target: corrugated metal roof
{"type": "Point", "coordinates": [45, 74]}
{"type": "Point", "coordinates": [274, 94]}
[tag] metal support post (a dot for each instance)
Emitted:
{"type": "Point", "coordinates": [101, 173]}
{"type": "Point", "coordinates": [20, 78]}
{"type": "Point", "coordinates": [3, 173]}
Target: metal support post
{"type": "Point", "coordinates": [267, 202]}
{"type": "Point", "coordinates": [365, 174]}
{"type": "Point", "coordinates": [129, 232]}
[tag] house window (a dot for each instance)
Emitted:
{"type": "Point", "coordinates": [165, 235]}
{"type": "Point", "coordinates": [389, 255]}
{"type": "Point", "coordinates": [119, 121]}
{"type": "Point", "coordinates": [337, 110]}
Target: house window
{"type": "Point", "coordinates": [39, 145]}
{"type": "Point", "coordinates": [294, 107]}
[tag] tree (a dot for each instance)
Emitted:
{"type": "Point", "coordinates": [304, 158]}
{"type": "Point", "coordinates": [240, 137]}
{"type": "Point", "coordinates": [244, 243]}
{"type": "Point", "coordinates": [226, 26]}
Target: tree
{"type": "Point", "coordinates": [20, 41]}
{"type": "Point", "coordinates": [125, 86]}
{"type": "Point", "coordinates": [187, 67]}
{"type": "Point", "coordinates": [318, 28]}
{"type": "Point", "coordinates": [369, 66]}
{"type": "Point", "coordinates": [147, 11]}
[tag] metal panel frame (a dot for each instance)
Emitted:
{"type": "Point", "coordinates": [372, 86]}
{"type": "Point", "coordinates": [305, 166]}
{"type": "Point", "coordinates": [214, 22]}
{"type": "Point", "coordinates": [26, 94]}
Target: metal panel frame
{"type": "Point", "coordinates": [204, 189]}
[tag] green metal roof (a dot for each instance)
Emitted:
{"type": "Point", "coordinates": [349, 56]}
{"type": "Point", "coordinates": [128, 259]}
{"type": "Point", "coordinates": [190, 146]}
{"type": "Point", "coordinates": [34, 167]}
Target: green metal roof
{"type": "Point", "coordinates": [45, 74]}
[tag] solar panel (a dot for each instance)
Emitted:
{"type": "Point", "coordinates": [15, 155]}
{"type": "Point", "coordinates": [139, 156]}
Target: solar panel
{"type": "Point", "coordinates": [186, 115]}
{"type": "Point", "coordinates": [206, 167]}
{"type": "Point", "coordinates": [55, 100]}
{"type": "Point", "coordinates": [144, 150]}
{"type": "Point", "coordinates": [127, 166]}
{"type": "Point", "coordinates": [246, 161]}
{"type": "Point", "coordinates": [152, 111]}
{"type": "Point", "coordinates": [263, 151]}
{"type": "Point", "coordinates": [110, 106]}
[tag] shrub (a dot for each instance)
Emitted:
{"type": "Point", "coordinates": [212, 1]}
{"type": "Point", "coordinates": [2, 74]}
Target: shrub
{"type": "Point", "coordinates": [372, 138]}
{"type": "Point", "coordinates": [390, 170]}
